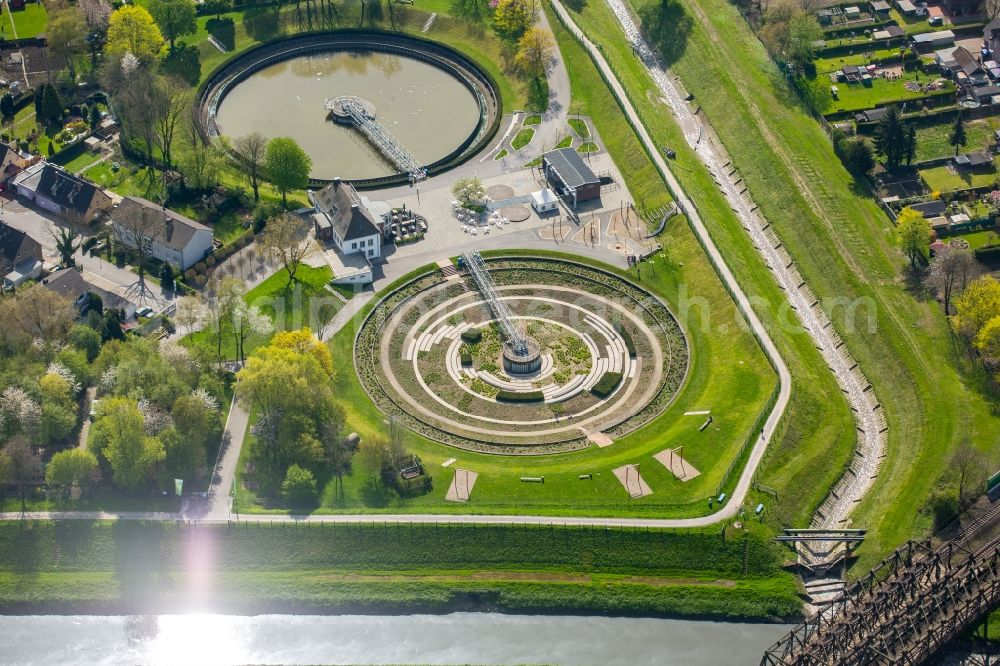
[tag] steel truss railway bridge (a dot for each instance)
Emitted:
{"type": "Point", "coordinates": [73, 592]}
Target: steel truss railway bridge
{"type": "Point", "coordinates": [902, 612]}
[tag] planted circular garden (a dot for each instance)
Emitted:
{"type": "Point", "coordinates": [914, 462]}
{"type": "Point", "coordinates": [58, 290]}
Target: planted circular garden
{"type": "Point", "coordinates": [612, 357]}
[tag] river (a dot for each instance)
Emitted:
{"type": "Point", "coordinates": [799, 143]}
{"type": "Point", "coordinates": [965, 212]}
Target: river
{"type": "Point", "coordinates": [459, 638]}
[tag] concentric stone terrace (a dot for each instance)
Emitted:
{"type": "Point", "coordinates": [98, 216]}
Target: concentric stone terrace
{"type": "Point", "coordinates": [610, 357]}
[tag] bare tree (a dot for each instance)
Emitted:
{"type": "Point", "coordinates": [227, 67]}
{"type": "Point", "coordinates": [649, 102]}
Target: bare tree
{"type": "Point", "coordinates": [991, 8]}
{"type": "Point", "coordinates": [287, 239]}
{"type": "Point", "coordinates": [968, 464]}
{"type": "Point", "coordinates": [176, 100]}
{"type": "Point", "coordinates": [141, 235]}
{"type": "Point", "coordinates": [189, 312]}
{"type": "Point", "coordinates": [950, 273]}
{"type": "Point", "coordinates": [21, 466]}
{"type": "Point", "coordinates": [138, 98]}
{"type": "Point", "coordinates": [250, 150]}
{"type": "Point", "coordinates": [203, 160]}
{"type": "Point", "coordinates": [66, 242]}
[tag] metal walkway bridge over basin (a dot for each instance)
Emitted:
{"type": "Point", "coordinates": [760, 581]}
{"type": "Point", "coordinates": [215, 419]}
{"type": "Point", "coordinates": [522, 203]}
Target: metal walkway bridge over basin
{"type": "Point", "coordinates": [350, 110]}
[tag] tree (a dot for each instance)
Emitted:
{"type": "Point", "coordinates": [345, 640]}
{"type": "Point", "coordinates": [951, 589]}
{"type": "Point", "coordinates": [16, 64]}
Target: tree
{"type": "Point", "coordinates": [251, 151]}
{"type": "Point", "coordinates": [991, 8]}
{"type": "Point", "coordinates": [914, 233]}
{"type": "Point", "coordinates": [967, 462]}
{"type": "Point", "coordinates": [176, 18]}
{"type": "Point", "coordinates": [36, 312]}
{"type": "Point", "coordinates": [978, 304]}
{"type": "Point", "coordinates": [512, 17]}
{"type": "Point", "coordinates": [951, 270]}
{"type": "Point", "coordinates": [472, 10]}
{"type": "Point", "coordinates": [217, 7]}
{"type": "Point", "coordinates": [374, 452]}
{"type": "Point", "coordinates": [287, 166]}
{"type": "Point", "coordinates": [167, 277]}
{"type": "Point", "coordinates": [97, 17]}
{"type": "Point", "coordinates": [189, 312]}
{"type": "Point", "coordinates": [287, 239]}
{"type": "Point", "coordinates": [987, 341]}
{"type": "Point", "coordinates": [958, 138]}
{"type": "Point", "coordinates": [534, 51]}
{"type": "Point", "coordinates": [131, 453]}
{"type": "Point", "coordinates": [803, 31]}
{"type": "Point", "coordinates": [50, 106]}
{"type": "Point", "coordinates": [304, 341]}
{"type": "Point", "coordinates": [202, 161]}
{"type": "Point", "coordinates": [247, 320]}
{"type": "Point", "coordinates": [21, 466]}
{"type": "Point", "coordinates": [299, 486]}
{"type": "Point", "coordinates": [72, 467]}
{"type": "Point", "coordinates": [175, 100]}
{"type": "Point", "coordinates": [895, 140]}
{"type": "Point", "coordinates": [136, 94]}
{"type": "Point", "coordinates": [7, 107]}
{"type": "Point", "coordinates": [86, 339]}
{"type": "Point", "coordinates": [131, 29]}
{"type": "Point", "coordinates": [469, 192]}
{"type": "Point", "coordinates": [65, 239]}
{"type": "Point", "coordinates": [141, 237]}
{"type": "Point", "coordinates": [857, 155]}
{"type": "Point", "coordinates": [197, 424]}
{"type": "Point", "coordinates": [66, 34]}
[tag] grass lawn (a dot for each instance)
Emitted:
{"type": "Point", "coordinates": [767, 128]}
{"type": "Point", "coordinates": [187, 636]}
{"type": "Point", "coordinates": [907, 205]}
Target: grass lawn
{"type": "Point", "coordinates": [501, 154]}
{"type": "Point", "coordinates": [30, 21]}
{"type": "Point", "coordinates": [289, 307]}
{"type": "Point", "coordinates": [855, 96]}
{"type": "Point", "coordinates": [934, 140]}
{"type": "Point", "coordinates": [835, 63]}
{"type": "Point", "coordinates": [123, 181]}
{"type": "Point", "coordinates": [532, 120]}
{"type": "Point", "coordinates": [588, 147]}
{"type": "Point", "coordinates": [945, 179]}
{"type": "Point", "coordinates": [391, 568]}
{"type": "Point", "coordinates": [522, 138]}
{"type": "Point", "coordinates": [79, 163]}
{"type": "Point", "coordinates": [978, 239]}
{"type": "Point", "coordinates": [580, 127]}
{"type": "Point", "coordinates": [565, 142]}
{"type": "Point", "coordinates": [844, 247]}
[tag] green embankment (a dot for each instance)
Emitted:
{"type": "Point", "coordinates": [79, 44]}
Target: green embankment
{"type": "Point", "coordinates": [845, 248]}
{"type": "Point", "coordinates": [815, 439]}
{"type": "Point", "coordinates": [138, 567]}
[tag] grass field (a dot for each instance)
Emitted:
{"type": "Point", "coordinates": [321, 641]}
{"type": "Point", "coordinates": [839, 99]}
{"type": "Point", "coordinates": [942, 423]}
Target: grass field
{"type": "Point", "coordinates": [844, 247]}
{"type": "Point", "coordinates": [288, 306]}
{"type": "Point", "coordinates": [28, 22]}
{"type": "Point", "coordinates": [934, 140]}
{"type": "Point", "coordinates": [522, 138]}
{"type": "Point", "coordinates": [143, 567]}
{"type": "Point", "coordinates": [945, 179]}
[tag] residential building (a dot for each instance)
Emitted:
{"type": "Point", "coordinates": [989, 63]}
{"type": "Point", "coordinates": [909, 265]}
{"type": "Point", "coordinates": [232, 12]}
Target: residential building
{"type": "Point", "coordinates": [342, 217]}
{"type": "Point", "coordinates": [961, 64]}
{"type": "Point", "coordinates": [570, 176]}
{"type": "Point", "coordinates": [54, 189]}
{"type": "Point", "coordinates": [173, 238]}
{"type": "Point", "coordinates": [20, 257]}
{"type": "Point", "coordinates": [70, 283]}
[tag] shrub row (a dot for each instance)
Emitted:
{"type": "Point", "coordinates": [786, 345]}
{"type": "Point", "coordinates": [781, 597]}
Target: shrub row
{"type": "Point", "coordinates": [466, 358]}
{"type": "Point", "coordinates": [626, 337]}
{"type": "Point", "coordinates": [520, 396]}
{"type": "Point", "coordinates": [472, 335]}
{"type": "Point", "coordinates": [989, 254]}
{"type": "Point", "coordinates": [606, 384]}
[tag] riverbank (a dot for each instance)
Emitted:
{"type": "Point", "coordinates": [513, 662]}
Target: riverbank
{"type": "Point", "coordinates": [142, 568]}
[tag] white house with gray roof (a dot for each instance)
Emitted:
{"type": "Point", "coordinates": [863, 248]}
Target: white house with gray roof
{"type": "Point", "coordinates": [342, 216]}
{"type": "Point", "coordinates": [175, 239]}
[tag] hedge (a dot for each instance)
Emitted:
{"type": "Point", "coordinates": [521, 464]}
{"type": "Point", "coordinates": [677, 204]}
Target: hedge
{"type": "Point", "coordinates": [606, 384]}
{"type": "Point", "coordinates": [629, 345]}
{"type": "Point", "coordinates": [520, 396]}
{"type": "Point", "coordinates": [988, 254]}
{"type": "Point", "coordinates": [466, 358]}
{"type": "Point", "coordinates": [472, 335]}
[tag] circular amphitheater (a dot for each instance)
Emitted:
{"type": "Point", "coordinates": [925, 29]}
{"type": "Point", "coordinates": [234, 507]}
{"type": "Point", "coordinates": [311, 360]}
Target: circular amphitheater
{"type": "Point", "coordinates": [596, 356]}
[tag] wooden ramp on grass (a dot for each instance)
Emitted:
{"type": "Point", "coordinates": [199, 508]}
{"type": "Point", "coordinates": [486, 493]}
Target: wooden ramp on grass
{"type": "Point", "coordinates": [679, 467]}
{"type": "Point", "coordinates": [635, 485]}
{"type": "Point", "coordinates": [461, 485]}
